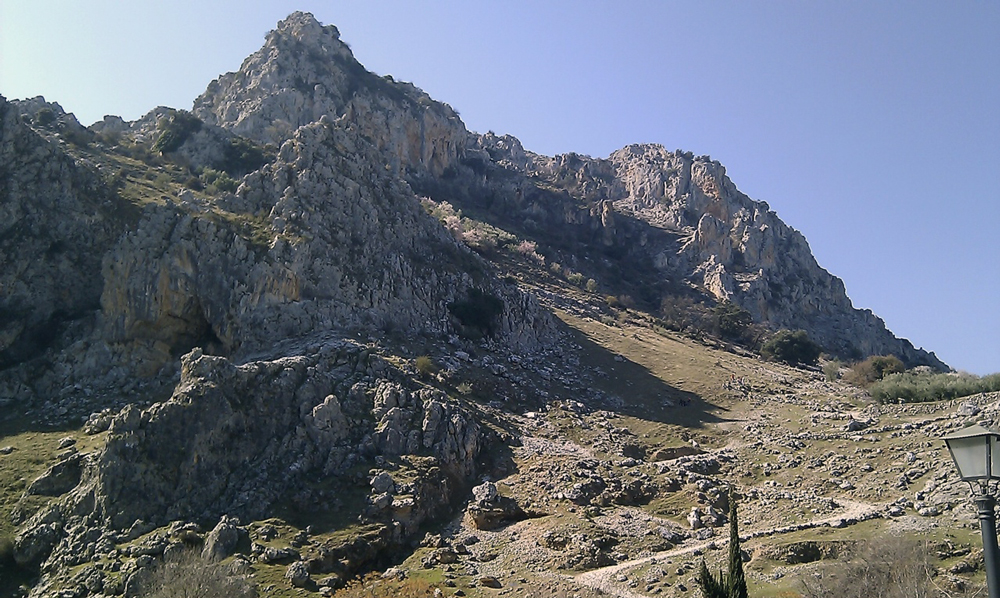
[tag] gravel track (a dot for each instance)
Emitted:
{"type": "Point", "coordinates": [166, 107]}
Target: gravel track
{"type": "Point", "coordinates": [604, 579]}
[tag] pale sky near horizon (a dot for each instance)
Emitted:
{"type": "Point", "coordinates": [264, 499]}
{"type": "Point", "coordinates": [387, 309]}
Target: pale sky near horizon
{"type": "Point", "coordinates": [871, 127]}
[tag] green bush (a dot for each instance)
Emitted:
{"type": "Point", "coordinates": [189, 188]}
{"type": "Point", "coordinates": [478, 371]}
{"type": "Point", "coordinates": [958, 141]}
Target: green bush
{"type": "Point", "coordinates": [45, 117]}
{"type": "Point", "coordinates": [831, 370]}
{"type": "Point", "coordinates": [175, 130]}
{"type": "Point", "coordinates": [242, 156]}
{"type": "Point", "coordinates": [217, 181]}
{"type": "Point", "coordinates": [867, 372]}
{"type": "Point", "coordinates": [425, 366]}
{"type": "Point", "coordinates": [731, 320]}
{"type": "Point", "coordinates": [793, 348]}
{"type": "Point", "coordinates": [920, 386]}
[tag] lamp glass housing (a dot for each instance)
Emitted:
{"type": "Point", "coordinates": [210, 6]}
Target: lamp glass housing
{"type": "Point", "coordinates": [976, 452]}
{"type": "Point", "coordinates": [971, 457]}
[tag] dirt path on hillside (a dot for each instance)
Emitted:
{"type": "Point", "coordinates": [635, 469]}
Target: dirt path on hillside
{"type": "Point", "coordinates": [605, 578]}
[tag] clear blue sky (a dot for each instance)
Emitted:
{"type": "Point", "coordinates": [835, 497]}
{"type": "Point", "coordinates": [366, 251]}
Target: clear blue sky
{"type": "Point", "coordinates": [872, 127]}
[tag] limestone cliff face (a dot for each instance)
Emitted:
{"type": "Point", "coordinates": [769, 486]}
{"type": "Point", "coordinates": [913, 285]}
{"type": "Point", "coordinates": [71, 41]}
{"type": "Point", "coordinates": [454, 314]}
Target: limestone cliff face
{"type": "Point", "coordinates": [326, 237]}
{"type": "Point", "coordinates": [56, 220]}
{"type": "Point", "coordinates": [304, 72]}
{"type": "Point", "coordinates": [740, 251]}
{"type": "Point", "coordinates": [680, 214]}
{"type": "Point", "coordinates": [684, 218]}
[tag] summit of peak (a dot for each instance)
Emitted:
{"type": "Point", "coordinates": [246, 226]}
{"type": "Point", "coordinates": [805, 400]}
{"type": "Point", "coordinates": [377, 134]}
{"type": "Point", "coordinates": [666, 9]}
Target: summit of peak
{"type": "Point", "coordinates": [305, 25]}
{"type": "Point", "coordinates": [305, 31]}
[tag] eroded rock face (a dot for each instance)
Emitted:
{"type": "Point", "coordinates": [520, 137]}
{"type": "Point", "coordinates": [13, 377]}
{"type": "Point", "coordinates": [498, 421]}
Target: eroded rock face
{"type": "Point", "coordinates": [304, 72]}
{"type": "Point", "coordinates": [740, 251]}
{"type": "Point", "coordinates": [47, 262]}
{"type": "Point", "coordinates": [324, 237]}
{"type": "Point", "coordinates": [683, 218]}
{"type": "Point", "coordinates": [234, 439]}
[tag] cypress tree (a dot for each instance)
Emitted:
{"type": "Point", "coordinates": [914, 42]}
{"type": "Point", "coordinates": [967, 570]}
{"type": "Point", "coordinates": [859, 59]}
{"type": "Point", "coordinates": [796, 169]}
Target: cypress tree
{"type": "Point", "coordinates": [736, 582]}
{"type": "Point", "coordinates": [733, 585]}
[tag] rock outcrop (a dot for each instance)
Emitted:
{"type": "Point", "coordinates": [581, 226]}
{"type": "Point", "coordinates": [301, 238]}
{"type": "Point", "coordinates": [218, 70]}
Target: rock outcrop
{"type": "Point", "coordinates": [57, 219]}
{"type": "Point", "coordinates": [304, 72]}
{"type": "Point", "coordinates": [671, 213]}
{"type": "Point", "coordinates": [235, 439]}
{"type": "Point", "coordinates": [322, 238]}
{"type": "Point", "coordinates": [740, 251]}
{"type": "Point", "coordinates": [667, 217]}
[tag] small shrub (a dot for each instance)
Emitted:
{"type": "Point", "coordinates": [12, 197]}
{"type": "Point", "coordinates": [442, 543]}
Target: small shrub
{"type": "Point", "coordinates": [831, 370]}
{"type": "Point", "coordinates": [591, 285]}
{"type": "Point", "coordinates": [162, 180]}
{"type": "Point", "coordinates": [110, 138]}
{"type": "Point", "coordinates": [216, 182]}
{"type": "Point", "coordinates": [45, 117]}
{"type": "Point", "coordinates": [529, 249]}
{"type": "Point", "coordinates": [613, 302]}
{"type": "Point", "coordinates": [575, 278]}
{"type": "Point", "coordinates": [190, 576]}
{"type": "Point", "coordinates": [242, 156]}
{"type": "Point", "coordinates": [526, 247]}
{"type": "Point", "coordinates": [425, 366]}
{"type": "Point", "coordinates": [374, 585]}
{"type": "Point", "coordinates": [793, 348]}
{"type": "Point", "coordinates": [556, 268]}
{"type": "Point", "coordinates": [175, 130]}
{"type": "Point", "coordinates": [478, 238]}
{"type": "Point", "coordinates": [731, 321]}
{"type": "Point", "coordinates": [867, 372]}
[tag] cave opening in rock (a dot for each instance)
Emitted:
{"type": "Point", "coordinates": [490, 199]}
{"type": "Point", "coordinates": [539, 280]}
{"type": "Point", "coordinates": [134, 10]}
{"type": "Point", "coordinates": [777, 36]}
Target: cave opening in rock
{"type": "Point", "coordinates": [196, 331]}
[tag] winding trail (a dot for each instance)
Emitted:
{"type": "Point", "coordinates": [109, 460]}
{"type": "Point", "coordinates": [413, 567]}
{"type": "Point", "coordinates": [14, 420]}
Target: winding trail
{"type": "Point", "coordinates": [604, 579]}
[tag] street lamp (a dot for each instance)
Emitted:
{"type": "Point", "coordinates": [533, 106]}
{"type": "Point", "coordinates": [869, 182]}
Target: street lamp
{"type": "Point", "coordinates": [976, 452]}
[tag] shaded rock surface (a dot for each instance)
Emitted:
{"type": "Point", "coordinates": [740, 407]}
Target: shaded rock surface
{"type": "Point", "coordinates": [57, 219]}
{"type": "Point", "coordinates": [667, 216]}
{"type": "Point", "coordinates": [234, 439]}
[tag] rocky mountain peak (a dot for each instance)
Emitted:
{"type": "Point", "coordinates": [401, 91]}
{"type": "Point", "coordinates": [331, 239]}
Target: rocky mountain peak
{"type": "Point", "coordinates": [303, 27]}
{"type": "Point", "coordinates": [361, 322]}
{"type": "Point", "coordinates": [304, 72]}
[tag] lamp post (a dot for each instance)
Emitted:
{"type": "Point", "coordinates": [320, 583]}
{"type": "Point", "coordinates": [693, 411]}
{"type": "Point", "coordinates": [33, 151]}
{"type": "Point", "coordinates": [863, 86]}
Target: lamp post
{"type": "Point", "coordinates": [976, 452]}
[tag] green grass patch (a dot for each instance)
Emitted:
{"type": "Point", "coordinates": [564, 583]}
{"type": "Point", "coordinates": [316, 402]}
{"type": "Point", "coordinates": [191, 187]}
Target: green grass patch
{"type": "Point", "coordinates": [34, 452]}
